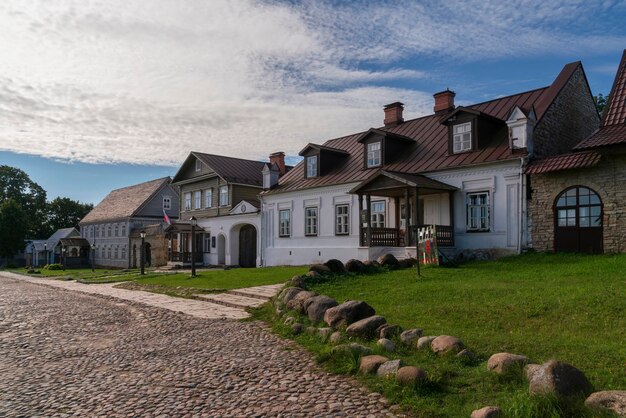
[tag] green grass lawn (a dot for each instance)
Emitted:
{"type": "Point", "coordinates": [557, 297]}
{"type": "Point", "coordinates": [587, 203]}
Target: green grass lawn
{"type": "Point", "coordinates": [568, 307]}
{"type": "Point", "coordinates": [82, 273]}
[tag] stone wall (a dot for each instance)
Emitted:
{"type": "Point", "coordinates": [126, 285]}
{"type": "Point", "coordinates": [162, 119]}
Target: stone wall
{"type": "Point", "coordinates": [571, 118]}
{"type": "Point", "coordinates": [608, 179]}
{"type": "Point", "coordinates": [158, 250]}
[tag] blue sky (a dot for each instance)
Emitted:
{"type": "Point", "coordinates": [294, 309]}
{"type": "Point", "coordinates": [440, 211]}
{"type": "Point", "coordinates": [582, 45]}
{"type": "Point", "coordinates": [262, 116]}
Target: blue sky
{"type": "Point", "coordinates": [95, 96]}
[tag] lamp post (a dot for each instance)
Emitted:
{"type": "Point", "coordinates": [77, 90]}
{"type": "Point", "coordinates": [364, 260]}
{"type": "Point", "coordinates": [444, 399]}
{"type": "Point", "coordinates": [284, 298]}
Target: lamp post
{"type": "Point", "coordinates": [45, 250]}
{"type": "Point", "coordinates": [194, 222]}
{"type": "Point", "coordinates": [143, 254]}
{"type": "Point", "coordinates": [63, 260]}
{"type": "Point", "coordinates": [93, 257]}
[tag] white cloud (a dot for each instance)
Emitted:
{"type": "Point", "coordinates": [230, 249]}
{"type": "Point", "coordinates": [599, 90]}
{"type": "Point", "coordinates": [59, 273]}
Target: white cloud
{"type": "Point", "coordinates": [131, 81]}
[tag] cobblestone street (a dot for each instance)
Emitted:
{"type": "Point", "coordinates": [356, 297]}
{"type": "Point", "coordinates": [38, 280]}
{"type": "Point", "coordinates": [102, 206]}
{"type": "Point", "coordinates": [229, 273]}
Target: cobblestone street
{"type": "Point", "coordinates": [64, 353]}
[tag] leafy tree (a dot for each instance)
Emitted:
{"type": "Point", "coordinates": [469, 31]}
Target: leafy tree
{"type": "Point", "coordinates": [600, 101]}
{"type": "Point", "coordinates": [31, 197]}
{"type": "Point", "coordinates": [13, 228]}
{"type": "Point", "coordinates": [64, 212]}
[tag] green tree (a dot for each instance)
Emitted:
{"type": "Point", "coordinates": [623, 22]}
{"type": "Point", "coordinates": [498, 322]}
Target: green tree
{"type": "Point", "coordinates": [601, 101]}
{"type": "Point", "coordinates": [31, 197]}
{"type": "Point", "coordinates": [63, 212]}
{"type": "Point", "coordinates": [13, 228]}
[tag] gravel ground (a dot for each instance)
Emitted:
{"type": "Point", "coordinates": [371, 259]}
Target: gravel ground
{"type": "Point", "coordinates": [64, 353]}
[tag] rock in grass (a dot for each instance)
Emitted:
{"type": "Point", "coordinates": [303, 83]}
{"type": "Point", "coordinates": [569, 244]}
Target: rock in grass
{"type": "Point", "coordinates": [288, 294]}
{"type": "Point", "coordinates": [297, 328]}
{"type": "Point", "coordinates": [298, 303]}
{"type": "Point", "coordinates": [336, 337]}
{"type": "Point", "coordinates": [386, 345]}
{"type": "Point", "coordinates": [504, 362]}
{"type": "Point", "coordinates": [389, 331]}
{"type": "Point", "coordinates": [319, 268]}
{"type": "Point", "coordinates": [325, 333]}
{"type": "Point", "coordinates": [290, 321]}
{"type": "Point", "coordinates": [335, 266]}
{"type": "Point", "coordinates": [366, 328]}
{"type": "Point", "coordinates": [389, 368]}
{"type": "Point", "coordinates": [608, 401]}
{"type": "Point", "coordinates": [424, 342]}
{"type": "Point", "coordinates": [352, 348]}
{"type": "Point", "coordinates": [347, 313]}
{"type": "Point", "coordinates": [355, 266]}
{"type": "Point", "coordinates": [410, 336]}
{"type": "Point", "coordinates": [466, 354]}
{"type": "Point", "coordinates": [297, 281]}
{"type": "Point", "coordinates": [559, 379]}
{"type": "Point", "coordinates": [446, 343]}
{"type": "Point", "coordinates": [411, 376]}
{"type": "Point", "coordinates": [388, 260]}
{"type": "Point", "coordinates": [369, 364]}
{"type": "Point", "coordinates": [487, 412]}
{"type": "Point", "coordinates": [311, 330]}
{"type": "Point", "coordinates": [317, 306]}
{"type": "Point", "coordinates": [530, 370]}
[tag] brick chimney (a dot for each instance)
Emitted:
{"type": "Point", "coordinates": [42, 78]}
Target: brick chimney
{"type": "Point", "coordinates": [444, 101]}
{"type": "Point", "coordinates": [279, 159]}
{"type": "Point", "coordinates": [393, 114]}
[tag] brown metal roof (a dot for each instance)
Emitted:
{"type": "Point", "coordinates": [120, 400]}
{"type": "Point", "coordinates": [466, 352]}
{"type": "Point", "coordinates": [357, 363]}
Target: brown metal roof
{"type": "Point", "coordinates": [234, 170]}
{"type": "Point", "coordinates": [124, 202]}
{"type": "Point", "coordinates": [613, 127]}
{"type": "Point", "coordinates": [564, 162]}
{"type": "Point", "coordinates": [74, 242]}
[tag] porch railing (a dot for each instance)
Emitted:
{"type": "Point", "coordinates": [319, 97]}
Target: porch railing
{"type": "Point", "coordinates": [445, 235]}
{"type": "Point", "coordinates": [392, 237]}
{"type": "Point", "coordinates": [185, 257]}
{"type": "Point", "coordinates": [382, 237]}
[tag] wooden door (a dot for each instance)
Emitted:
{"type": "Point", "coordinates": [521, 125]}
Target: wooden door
{"type": "Point", "coordinates": [247, 246]}
{"type": "Point", "coordinates": [578, 221]}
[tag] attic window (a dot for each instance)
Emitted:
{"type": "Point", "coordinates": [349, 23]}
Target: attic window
{"type": "Point", "coordinates": [198, 165]}
{"type": "Point", "coordinates": [374, 151]}
{"type": "Point", "coordinates": [311, 166]}
{"type": "Point", "coordinates": [462, 137]}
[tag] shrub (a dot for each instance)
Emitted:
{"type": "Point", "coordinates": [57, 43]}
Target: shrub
{"type": "Point", "coordinates": [53, 267]}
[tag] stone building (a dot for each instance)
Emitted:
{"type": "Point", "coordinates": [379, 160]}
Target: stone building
{"type": "Point", "coordinates": [156, 246]}
{"type": "Point", "coordinates": [578, 200]}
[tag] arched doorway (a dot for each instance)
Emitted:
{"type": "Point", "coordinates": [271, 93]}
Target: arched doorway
{"type": "Point", "coordinates": [135, 256]}
{"type": "Point", "coordinates": [221, 250]}
{"type": "Point", "coordinates": [247, 246]}
{"type": "Point", "coordinates": [578, 221]}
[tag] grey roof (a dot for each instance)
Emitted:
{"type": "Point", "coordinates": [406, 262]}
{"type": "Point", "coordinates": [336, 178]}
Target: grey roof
{"type": "Point", "coordinates": [61, 233]}
{"type": "Point", "coordinates": [125, 202]}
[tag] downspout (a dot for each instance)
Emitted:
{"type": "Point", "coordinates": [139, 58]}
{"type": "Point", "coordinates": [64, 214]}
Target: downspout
{"type": "Point", "coordinates": [522, 206]}
{"type": "Point", "coordinates": [262, 215]}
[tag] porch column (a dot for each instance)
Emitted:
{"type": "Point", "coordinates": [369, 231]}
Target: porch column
{"type": "Point", "coordinates": [416, 209]}
{"type": "Point", "coordinates": [360, 219]}
{"type": "Point", "coordinates": [368, 210]}
{"type": "Point", "coordinates": [407, 218]}
{"type": "Point", "coordinates": [451, 203]}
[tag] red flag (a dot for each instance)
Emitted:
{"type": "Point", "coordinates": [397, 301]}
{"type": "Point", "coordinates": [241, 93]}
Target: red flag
{"type": "Point", "coordinates": [166, 218]}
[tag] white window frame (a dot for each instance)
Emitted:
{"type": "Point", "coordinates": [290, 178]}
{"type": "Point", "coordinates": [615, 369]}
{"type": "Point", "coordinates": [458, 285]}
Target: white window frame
{"type": "Point", "coordinates": [284, 224]}
{"type": "Point", "coordinates": [123, 230]}
{"type": "Point", "coordinates": [224, 196]}
{"type": "Point", "coordinates": [206, 243]}
{"type": "Point", "coordinates": [198, 165]}
{"type": "Point", "coordinates": [311, 221]}
{"type": "Point", "coordinates": [342, 219]}
{"type": "Point", "coordinates": [374, 154]}
{"type": "Point", "coordinates": [208, 198]}
{"type": "Point", "coordinates": [187, 197]}
{"type": "Point", "coordinates": [478, 211]}
{"type": "Point", "coordinates": [378, 217]}
{"type": "Point", "coordinates": [462, 137]}
{"type": "Point", "coordinates": [167, 202]}
{"type": "Point", "coordinates": [312, 166]}
{"type": "Point", "coordinates": [197, 200]}
{"type": "Point", "coordinates": [117, 230]}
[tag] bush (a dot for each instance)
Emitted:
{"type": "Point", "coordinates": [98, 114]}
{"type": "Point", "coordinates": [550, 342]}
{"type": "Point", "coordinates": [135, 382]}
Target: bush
{"type": "Point", "coordinates": [53, 267]}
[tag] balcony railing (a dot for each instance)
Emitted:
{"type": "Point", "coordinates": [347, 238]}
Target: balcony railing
{"type": "Point", "coordinates": [393, 237]}
{"type": "Point", "coordinates": [185, 257]}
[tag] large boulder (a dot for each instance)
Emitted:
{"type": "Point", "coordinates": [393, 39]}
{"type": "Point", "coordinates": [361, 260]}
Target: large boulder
{"type": "Point", "coordinates": [386, 344]}
{"type": "Point", "coordinates": [388, 260]}
{"type": "Point", "coordinates": [298, 303]}
{"type": "Point", "coordinates": [288, 293]}
{"type": "Point", "coordinates": [487, 412]}
{"type": "Point", "coordinates": [371, 265]}
{"type": "Point", "coordinates": [389, 331]}
{"type": "Point", "coordinates": [365, 328]}
{"type": "Point", "coordinates": [369, 364]}
{"type": "Point", "coordinates": [355, 266]}
{"type": "Point", "coordinates": [317, 306]}
{"type": "Point", "coordinates": [389, 368]}
{"type": "Point", "coordinates": [353, 348]}
{"type": "Point", "coordinates": [410, 336]}
{"type": "Point", "coordinates": [424, 342]}
{"type": "Point", "coordinates": [446, 343]}
{"type": "Point", "coordinates": [410, 376]}
{"type": "Point", "coordinates": [297, 281]}
{"type": "Point", "coordinates": [319, 268]}
{"type": "Point", "coordinates": [559, 379]}
{"type": "Point", "coordinates": [504, 362]}
{"type": "Point", "coordinates": [347, 313]}
{"type": "Point", "coordinates": [608, 400]}
{"type": "Point", "coordinates": [335, 266]}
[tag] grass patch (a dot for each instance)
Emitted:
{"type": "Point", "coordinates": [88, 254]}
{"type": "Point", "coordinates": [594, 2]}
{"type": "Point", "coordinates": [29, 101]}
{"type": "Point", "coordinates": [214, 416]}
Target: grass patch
{"type": "Point", "coordinates": [98, 275]}
{"type": "Point", "coordinates": [568, 307]}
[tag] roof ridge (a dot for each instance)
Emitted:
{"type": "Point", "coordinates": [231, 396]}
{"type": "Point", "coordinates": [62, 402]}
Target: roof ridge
{"type": "Point", "coordinates": [140, 184]}
{"type": "Point", "coordinates": [229, 157]}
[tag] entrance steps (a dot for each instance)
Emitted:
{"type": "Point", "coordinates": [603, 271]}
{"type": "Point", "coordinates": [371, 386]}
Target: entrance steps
{"type": "Point", "coordinates": [249, 297]}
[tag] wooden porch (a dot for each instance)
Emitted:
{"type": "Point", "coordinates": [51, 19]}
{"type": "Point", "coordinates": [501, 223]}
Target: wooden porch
{"type": "Point", "coordinates": [396, 237]}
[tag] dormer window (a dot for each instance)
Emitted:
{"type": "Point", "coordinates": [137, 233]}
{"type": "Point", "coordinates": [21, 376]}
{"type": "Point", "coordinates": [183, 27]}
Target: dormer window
{"type": "Point", "coordinates": [462, 137]}
{"type": "Point", "coordinates": [311, 166]}
{"type": "Point", "coordinates": [198, 165]}
{"type": "Point", "coordinates": [374, 151]}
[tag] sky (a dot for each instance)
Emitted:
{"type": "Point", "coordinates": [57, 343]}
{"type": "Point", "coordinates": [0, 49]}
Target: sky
{"type": "Point", "coordinates": [96, 95]}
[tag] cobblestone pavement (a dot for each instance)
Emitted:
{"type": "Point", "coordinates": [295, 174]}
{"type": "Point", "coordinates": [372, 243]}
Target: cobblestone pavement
{"type": "Point", "coordinates": [65, 353]}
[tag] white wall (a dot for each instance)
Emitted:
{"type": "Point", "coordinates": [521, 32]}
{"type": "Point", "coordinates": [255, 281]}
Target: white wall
{"type": "Point", "coordinates": [228, 227]}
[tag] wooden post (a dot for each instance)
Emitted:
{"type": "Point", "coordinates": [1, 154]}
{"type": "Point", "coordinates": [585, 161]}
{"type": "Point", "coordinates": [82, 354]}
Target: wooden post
{"type": "Point", "coordinates": [416, 211]}
{"type": "Point", "coordinates": [360, 219]}
{"type": "Point", "coordinates": [368, 209]}
{"type": "Point", "coordinates": [451, 194]}
{"type": "Point", "coordinates": [407, 217]}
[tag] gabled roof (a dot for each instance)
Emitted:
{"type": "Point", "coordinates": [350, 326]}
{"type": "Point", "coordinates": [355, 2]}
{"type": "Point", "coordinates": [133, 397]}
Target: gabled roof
{"type": "Point", "coordinates": [429, 150]}
{"type": "Point", "coordinates": [411, 180]}
{"type": "Point", "coordinates": [563, 162]}
{"type": "Point", "coordinates": [613, 126]}
{"type": "Point", "coordinates": [60, 233]}
{"type": "Point", "coordinates": [125, 202]}
{"type": "Point", "coordinates": [230, 169]}
{"type": "Point", "coordinates": [322, 148]}
{"type": "Point", "coordinates": [387, 134]}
